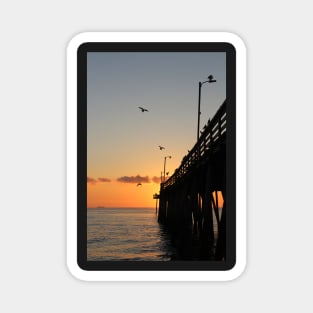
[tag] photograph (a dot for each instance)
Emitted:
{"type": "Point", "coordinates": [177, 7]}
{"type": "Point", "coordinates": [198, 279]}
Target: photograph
{"type": "Point", "coordinates": [156, 158]}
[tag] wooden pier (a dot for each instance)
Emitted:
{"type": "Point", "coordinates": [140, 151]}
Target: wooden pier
{"type": "Point", "coordinates": [192, 201]}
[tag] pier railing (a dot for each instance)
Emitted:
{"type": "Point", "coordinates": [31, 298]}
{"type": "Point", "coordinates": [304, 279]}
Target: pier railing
{"type": "Point", "coordinates": [213, 131]}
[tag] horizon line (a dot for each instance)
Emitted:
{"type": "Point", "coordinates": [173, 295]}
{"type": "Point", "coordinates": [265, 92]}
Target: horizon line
{"type": "Point", "coordinates": [126, 207]}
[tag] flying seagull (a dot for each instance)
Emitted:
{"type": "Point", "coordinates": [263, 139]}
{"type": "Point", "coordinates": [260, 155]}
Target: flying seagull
{"type": "Point", "coordinates": [143, 109]}
{"type": "Point", "coordinates": [139, 184]}
{"type": "Point", "coordinates": [161, 148]}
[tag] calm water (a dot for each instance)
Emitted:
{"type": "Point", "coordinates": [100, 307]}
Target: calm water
{"type": "Point", "coordinates": [126, 234]}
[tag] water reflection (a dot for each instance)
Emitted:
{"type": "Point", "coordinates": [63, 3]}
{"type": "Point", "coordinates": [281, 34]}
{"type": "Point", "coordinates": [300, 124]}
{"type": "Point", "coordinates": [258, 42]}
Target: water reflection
{"type": "Point", "coordinates": [166, 245]}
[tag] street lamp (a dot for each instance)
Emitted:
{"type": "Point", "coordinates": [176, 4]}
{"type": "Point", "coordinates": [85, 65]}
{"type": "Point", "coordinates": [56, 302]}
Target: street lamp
{"type": "Point", "coordinates": [210, 80]}
{"type": "Point", "coordinates": [168, 156]}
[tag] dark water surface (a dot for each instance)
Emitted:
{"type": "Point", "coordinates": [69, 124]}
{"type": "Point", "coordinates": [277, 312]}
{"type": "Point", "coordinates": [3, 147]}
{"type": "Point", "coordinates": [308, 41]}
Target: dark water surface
{"type": "Point", "coordinates": [126, 234]}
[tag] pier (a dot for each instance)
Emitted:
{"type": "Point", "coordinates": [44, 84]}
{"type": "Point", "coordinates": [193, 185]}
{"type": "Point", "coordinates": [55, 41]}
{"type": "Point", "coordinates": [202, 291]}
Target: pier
{"type": "Point", "coordinates": [192, 201]}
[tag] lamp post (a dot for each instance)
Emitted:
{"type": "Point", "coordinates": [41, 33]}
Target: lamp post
{"type": "Point", "coordinates": [168, 156]}
{"type": "Point", "coordinates": [210, 80]}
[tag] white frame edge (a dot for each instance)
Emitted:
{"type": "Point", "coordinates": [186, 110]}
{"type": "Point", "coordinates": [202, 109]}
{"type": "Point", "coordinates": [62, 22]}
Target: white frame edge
{"type": "Point", "coordinates": [239, 267]}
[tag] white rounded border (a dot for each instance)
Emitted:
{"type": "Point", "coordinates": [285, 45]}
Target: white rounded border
{"type": "Point", "coordinates": [73, 267]}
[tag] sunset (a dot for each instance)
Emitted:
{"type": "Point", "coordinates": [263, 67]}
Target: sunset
{"type": "Point", "coordinates": [156, 154]}
{"type": "Point", "coordinates": [121, 195]}
{"type": "Point", "coordinates": [123, 141]}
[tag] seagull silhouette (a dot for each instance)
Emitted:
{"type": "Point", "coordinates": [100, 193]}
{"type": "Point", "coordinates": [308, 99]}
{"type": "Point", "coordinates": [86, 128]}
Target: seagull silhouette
{"type": "Point", "coordinates": [161, 148]}
{"type": "Point", "coordinates": [143, 109]}
{"type": "Point", "coordinates": [139, 184]}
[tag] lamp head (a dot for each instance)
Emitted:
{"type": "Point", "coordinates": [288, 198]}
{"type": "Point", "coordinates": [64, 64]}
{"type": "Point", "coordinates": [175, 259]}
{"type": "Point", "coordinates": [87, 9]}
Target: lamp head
{"type": "Point", "coordinates": [210, 79]}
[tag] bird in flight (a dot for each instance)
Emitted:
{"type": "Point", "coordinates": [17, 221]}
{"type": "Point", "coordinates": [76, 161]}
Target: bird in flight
{"type": "Point", "coordinates": [143, 109]}
{"type": "Point", "coordinates": [139, 184]}
{"type": "Point", "coordinates": [161, 148]}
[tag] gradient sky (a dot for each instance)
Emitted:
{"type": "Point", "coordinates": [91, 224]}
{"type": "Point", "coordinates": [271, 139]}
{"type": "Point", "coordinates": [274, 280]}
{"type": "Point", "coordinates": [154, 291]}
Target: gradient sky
{"type": "Point", "coordinates": [122, 141]}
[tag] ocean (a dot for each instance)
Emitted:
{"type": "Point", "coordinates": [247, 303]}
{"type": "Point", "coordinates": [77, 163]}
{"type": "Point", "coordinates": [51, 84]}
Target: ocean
{"type": "Point", "coordinates": [126, 235]}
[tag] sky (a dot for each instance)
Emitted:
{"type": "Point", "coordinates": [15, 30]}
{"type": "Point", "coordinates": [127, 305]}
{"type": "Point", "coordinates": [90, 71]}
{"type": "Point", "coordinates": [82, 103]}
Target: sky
{"type": "Point", "coordinates": [122, 141]}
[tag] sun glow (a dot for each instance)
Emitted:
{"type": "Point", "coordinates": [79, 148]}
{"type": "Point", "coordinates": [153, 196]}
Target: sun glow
{"type": "Point", "coordinates": [117, 194]}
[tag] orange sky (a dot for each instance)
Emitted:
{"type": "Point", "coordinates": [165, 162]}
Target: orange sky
{"type": "Point", "coordinates": [117, 194]}
{"type": "Point", "coordinates": [122, 141]}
